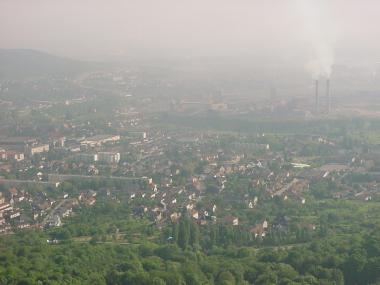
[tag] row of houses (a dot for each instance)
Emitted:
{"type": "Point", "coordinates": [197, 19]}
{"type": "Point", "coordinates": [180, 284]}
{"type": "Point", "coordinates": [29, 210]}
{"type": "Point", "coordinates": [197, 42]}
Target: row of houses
{"type": "Point", "coordinates": [10, 216]}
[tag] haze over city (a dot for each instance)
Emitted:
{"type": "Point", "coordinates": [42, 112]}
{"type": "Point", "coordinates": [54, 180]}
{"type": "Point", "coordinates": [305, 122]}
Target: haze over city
{"type": "Point", "coordinates": [290, 31]}
{"type": "Point", "coordinates": [173, 142]}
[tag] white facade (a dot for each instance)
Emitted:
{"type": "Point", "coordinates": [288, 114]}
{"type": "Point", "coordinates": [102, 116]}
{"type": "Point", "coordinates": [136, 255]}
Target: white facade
{"type": "Point", "coordinates": [108, 157]}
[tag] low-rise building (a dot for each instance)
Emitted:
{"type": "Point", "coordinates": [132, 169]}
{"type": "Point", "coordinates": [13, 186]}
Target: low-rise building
{"type": "Point", "coordinates": [12, 155]}
{"type": "Point", "coordinates": [36, 149]}
{"type": "Point", "coordinates": [100, 140]}
{"type": "Point", "coordinates": [108, 157]}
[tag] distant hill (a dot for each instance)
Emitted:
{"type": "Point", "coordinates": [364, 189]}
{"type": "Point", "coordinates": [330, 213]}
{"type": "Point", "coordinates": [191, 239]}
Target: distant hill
{"type": "Point", "coordinates": [23, 63]}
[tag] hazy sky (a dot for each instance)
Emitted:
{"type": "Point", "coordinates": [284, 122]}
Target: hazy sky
{"type": "Point", "coordinates": [316, 33]}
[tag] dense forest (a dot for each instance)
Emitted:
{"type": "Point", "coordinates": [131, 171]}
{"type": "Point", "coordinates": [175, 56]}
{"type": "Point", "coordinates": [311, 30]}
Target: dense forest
{"type": "Point", "coordinates": [89, 250]}
{"type": "Point", "coordinates": [28, 259]}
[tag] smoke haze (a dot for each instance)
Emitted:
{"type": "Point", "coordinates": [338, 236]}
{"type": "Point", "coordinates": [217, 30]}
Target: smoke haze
{"type": "Point", "coordinates": [321, 30]}
{"type": "Point", "coordinates": [311, 33]}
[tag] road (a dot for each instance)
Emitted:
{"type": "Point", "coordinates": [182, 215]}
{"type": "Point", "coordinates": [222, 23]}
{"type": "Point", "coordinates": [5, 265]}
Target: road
{"type": "Point", "coordinates": [66, 177]}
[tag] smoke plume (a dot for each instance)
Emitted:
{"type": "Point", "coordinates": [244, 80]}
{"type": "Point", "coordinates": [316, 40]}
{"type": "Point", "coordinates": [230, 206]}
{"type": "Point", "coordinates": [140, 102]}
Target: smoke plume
{"type": "Point", "coordinates": [320, 34]}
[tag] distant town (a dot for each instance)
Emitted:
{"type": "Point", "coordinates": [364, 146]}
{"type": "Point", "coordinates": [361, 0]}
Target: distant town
{"type": "Point", "coordinates": [83, 149]}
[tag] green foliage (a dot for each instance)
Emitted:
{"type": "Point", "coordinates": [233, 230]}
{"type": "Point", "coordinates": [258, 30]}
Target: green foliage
{"type": "Point", "coordinates": [26, 258]}
{"type": "Point", "coordinates": [102, 244]}
{"type": "Point", "coordinates": [184, 232]}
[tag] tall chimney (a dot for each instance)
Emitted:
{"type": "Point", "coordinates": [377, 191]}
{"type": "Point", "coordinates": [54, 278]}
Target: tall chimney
{"type": "Point", "coordinates": [328, 96]}
{"type": "Point", "coordinates": [316, 96]}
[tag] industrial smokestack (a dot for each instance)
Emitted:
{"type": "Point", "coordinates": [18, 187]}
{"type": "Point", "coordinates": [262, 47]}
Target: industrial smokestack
{"type": "Point", "coordinates": [316, 96]}
{"type": "Point", "coordinates": [328, 96]}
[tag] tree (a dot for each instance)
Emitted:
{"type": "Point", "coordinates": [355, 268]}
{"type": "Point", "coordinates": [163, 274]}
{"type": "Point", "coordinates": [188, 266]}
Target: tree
{"type": "Point", "coordinates": [175, 229]}
{"type": "Point", "coordinates": [355, 265]}
{"type": "Point", "coordinates": [226, 278]}
{"type": "Point", "coordinates": [158, 281]}
{"type": "Point", "coordinates": [194, 234]}
{"type": "Point", "coordinates": [183, 232]}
